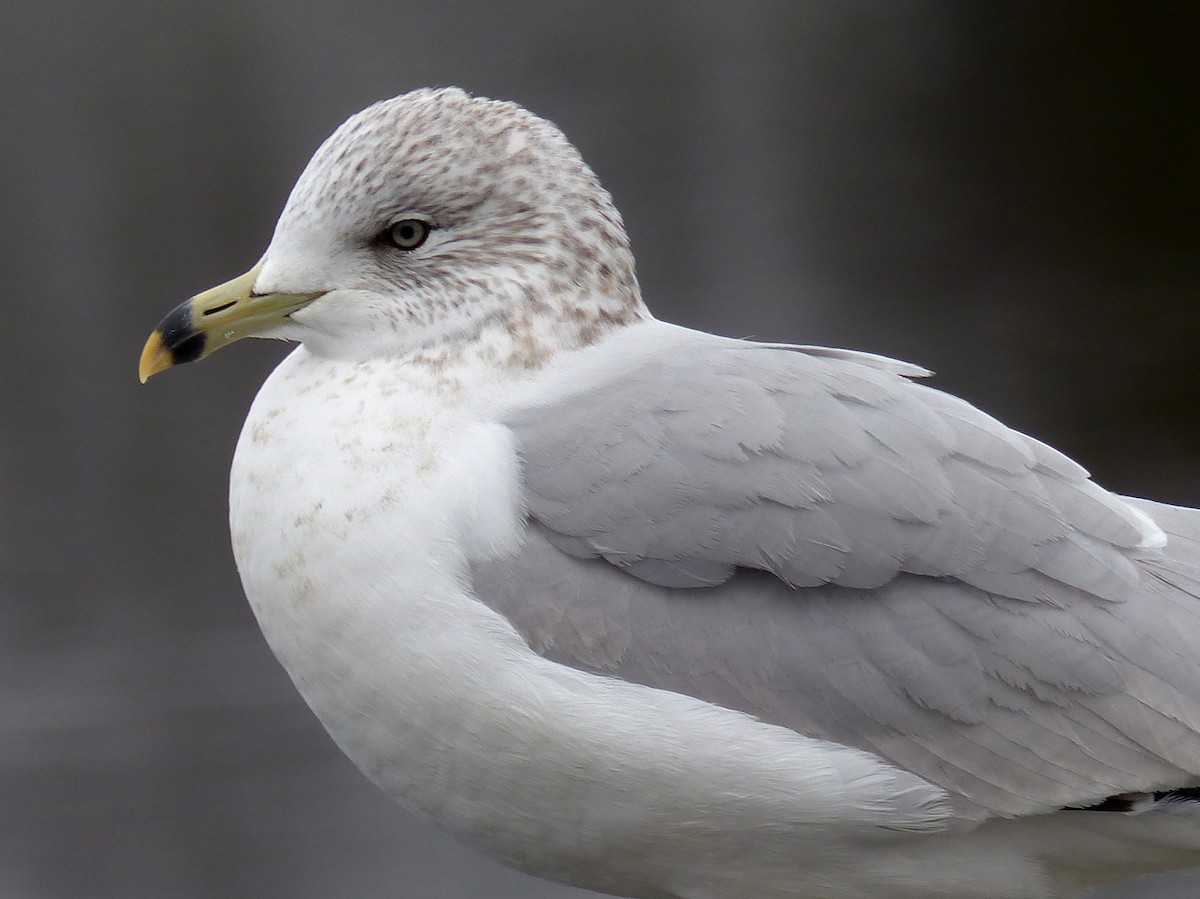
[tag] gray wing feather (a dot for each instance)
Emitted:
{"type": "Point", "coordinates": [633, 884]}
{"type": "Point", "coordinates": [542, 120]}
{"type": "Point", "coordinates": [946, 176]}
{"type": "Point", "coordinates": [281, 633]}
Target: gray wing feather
{"type": "Point", "coordinates": [1015, 707]}
{"type": "Point", "coordinates": [867, 560]}
{"type": "Point", "coordinates": [819, 469]}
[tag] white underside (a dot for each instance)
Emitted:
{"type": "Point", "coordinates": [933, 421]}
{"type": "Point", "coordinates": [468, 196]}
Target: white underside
{"type": "Point", "coordinates": [353, 544]}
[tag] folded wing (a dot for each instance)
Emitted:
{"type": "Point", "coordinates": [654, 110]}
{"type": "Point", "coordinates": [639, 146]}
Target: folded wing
{"type": "Point", "coordinates": [812, 537]}
{"type": "Point", "coordinates": [830, 469]}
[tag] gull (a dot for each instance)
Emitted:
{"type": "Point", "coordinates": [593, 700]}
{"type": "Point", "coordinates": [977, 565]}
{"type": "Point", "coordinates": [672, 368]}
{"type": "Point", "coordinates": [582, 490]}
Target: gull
{"type": "Point", "coordinates": [670, 615]}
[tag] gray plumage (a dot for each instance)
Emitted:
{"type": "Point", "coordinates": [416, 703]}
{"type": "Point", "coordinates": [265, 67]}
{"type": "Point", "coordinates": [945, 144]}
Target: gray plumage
{"type": "Point", "coordinates": [813, 538]}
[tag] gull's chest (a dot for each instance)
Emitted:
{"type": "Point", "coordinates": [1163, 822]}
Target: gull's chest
{"type": "Point", "coordinates": [356, 510]}
{"type": "Point", "coordinates": [331, 432]}
{"type": "Point", "coordinates": [345, 469]}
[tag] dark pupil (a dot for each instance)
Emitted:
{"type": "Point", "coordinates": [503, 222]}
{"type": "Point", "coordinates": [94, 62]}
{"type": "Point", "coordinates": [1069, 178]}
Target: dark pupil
{"type": "Point", "coordinates": [407, 232]}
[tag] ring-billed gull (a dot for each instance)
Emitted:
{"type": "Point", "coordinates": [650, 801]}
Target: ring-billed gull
{"type": "Point", "coordinates": [671, 615]}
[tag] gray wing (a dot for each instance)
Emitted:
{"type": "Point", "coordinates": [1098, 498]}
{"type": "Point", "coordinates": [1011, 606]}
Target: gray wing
{"type": "Point", "coordinates": [818, 469]}
{"type": "Point", "coordinates": [1015, 708]}
{"type": "Point", "coordinates": [868, 560]}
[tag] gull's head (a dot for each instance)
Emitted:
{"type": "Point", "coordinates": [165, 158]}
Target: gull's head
{"type": "Point", "coordinates": [430, 220]}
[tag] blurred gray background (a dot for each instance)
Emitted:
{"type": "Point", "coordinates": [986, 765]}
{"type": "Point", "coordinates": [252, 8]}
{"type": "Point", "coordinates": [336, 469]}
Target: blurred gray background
{"type": "Point", "coordinates": [1004, 192]}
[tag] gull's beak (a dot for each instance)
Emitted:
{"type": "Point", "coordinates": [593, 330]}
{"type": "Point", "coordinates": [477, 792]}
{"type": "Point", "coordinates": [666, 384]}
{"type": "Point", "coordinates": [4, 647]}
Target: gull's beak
{"type": "Point", "coordinates": [216, 318]}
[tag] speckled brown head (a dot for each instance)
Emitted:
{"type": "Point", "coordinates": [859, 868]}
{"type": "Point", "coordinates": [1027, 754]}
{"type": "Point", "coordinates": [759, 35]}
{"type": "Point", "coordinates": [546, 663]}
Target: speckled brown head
{"type": "Point", "coordinates": [429, 220]}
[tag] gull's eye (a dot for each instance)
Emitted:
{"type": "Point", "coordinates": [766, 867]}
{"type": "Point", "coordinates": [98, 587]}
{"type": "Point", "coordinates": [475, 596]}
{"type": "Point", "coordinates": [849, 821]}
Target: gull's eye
{"type": "Point", "coordinates": [408, 234]}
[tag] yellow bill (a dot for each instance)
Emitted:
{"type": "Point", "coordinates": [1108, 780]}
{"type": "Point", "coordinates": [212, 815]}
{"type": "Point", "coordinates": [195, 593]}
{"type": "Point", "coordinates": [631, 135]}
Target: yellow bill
{"type": "Point", "coordinates": [216, 318]}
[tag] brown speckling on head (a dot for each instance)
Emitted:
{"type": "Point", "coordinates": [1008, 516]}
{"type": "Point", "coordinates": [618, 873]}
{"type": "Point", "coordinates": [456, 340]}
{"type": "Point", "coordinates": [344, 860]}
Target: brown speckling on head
{"type": "Point", "coordinates": [528, 248]}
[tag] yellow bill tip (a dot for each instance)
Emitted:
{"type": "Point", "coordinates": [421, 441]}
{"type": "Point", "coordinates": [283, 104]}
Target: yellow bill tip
{"type": "Point", "coordinates": [156, 357]}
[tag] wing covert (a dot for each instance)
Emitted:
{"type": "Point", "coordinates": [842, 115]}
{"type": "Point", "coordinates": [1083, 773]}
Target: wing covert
{"type": "Point", "coordinates": [821, 468]}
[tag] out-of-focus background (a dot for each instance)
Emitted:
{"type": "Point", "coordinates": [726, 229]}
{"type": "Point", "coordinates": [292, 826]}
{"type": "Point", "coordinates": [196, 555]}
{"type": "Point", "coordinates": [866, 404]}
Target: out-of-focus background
{"type": "Point", "coordinates": [1008, 193]}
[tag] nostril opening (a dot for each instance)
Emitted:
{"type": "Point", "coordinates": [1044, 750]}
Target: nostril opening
{"type": "Point", "coordinates": [221, 308]}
